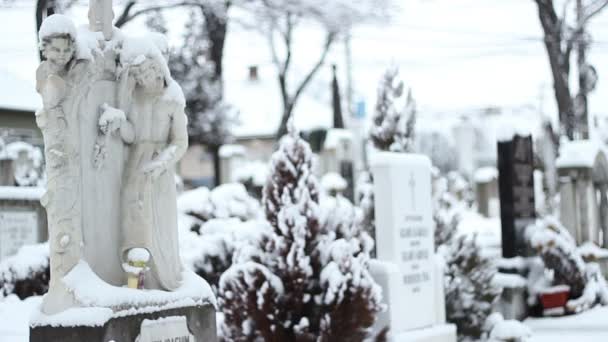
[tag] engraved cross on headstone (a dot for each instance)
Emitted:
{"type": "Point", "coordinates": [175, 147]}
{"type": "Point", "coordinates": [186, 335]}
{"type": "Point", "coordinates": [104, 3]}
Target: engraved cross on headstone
{"type": "Point", "coordinates": [100, 17]}
{"type": "Point", "coordinates": [412, 184]}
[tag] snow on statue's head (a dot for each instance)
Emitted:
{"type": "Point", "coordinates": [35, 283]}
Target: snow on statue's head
{"type": "Point", "coordinates": [57, 38]}
{"type": "Point", "coordinates": [161, 42]}
{"type": "Point", "coordinates": [146, 63]}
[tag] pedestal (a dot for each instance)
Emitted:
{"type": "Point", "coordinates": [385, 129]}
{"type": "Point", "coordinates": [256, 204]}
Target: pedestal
{"type": "Point", "coordinates": [103, 313]}
{"type": "Point", "coordinates": [200, 324]}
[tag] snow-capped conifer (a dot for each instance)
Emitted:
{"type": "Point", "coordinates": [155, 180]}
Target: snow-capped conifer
{"type": "Point", "coordinates": [308, 281]}
{"type": "Point", "coordinates": [393, 127]}
{"type": "Point", "coordinates": [469, 292]}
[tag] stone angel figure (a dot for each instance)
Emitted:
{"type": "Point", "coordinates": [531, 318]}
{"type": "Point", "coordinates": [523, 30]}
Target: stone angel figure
{"type": "Point", "coordinates": [149, 213]}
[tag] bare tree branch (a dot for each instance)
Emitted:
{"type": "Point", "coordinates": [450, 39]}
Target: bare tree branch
{"type": "Point", "coordinates": [127, 16]}
{"type": "Point", "coordinates": [593, 9]}
{"type": "Point", "coordinates": [328, 43]}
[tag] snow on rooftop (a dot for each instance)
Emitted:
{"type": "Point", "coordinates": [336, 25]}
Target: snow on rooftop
{"type": "Point", "coordinates": [579, 153]}
{"type": "Point", "coordinates": [231, 150]}
{"type": "Point", "coordinates": [335, 136]}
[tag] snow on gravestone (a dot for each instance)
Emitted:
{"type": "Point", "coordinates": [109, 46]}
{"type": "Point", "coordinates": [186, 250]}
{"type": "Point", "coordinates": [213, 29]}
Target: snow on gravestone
{"type": "Point", "coordinates": [17, 228]}
{"type": "Point", "coordinates": [168, 329]}
{"type": "Point", "coordinates": [404, 236]}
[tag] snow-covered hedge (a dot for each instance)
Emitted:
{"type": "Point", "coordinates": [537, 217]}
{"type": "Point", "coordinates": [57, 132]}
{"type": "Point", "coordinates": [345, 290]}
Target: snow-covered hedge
{"type": "Point", "coordinates": [26, 273]}
{"type": "Point", "coordinates": [558, 251]}
{"type": "Point", "coordinates": [211, 252]}
{"type": "Point", "coordinates": [224, 202]}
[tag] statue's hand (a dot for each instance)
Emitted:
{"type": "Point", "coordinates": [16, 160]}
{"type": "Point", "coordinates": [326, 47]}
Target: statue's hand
{"type": "Point", "coordinates": [154, 168]}
{"type": "Point", "coordinates": [111, 119]}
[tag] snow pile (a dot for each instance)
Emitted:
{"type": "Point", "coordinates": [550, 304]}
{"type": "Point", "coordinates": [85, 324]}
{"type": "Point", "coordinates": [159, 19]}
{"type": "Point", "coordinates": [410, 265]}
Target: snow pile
{"type": "Point", "coordinates": [225, 201]}
{"type": "Point", "coordinates": [253, 172]}
{"type": "Point", "coordinates": [508, 129]}
{"type": "Point", "coordinates": [25, 273]}
{"type": "Point", "coordinates": [502, 330]}
{"type": "Point", "coordinates": [57, 24]}
{"type": "Point", "coordinates": [579, 153]}
{"type": "Point", "coordinates": [333, 183]}
{"type": "Point", "coordinates": [135, 50]}
{"type": "Point", "coordinates": [213, 251]}
{"type": "Point", "coordinates": [485, 174]}
{"type": "Point", "coordinates": [90, 291]}
{"type": "Point", "coordinates": [592, 252]}
{"type": "Point", "coordinates": [506, 280]}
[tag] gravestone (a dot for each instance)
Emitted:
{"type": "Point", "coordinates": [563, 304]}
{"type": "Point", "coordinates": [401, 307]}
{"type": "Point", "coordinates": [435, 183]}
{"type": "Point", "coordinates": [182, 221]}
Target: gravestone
{"type": "Point", "coordinates": [486, 191]}
{"type": "Point", "coordinates": [516, 189]}
{"type": "Point", "coordinates": [22, 218]}
{"type": "Point", "coordinates": [583, 174]}
{"type": "Point", "coordinates": [406, 269]}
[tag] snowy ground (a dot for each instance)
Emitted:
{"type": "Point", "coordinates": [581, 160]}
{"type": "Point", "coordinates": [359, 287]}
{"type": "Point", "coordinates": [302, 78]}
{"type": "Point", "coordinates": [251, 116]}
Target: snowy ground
{"type": "Point", "coordinates": [591, 326]}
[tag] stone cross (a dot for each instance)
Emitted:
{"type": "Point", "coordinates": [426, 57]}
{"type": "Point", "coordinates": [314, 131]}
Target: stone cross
{"type": "Point", "coordinates": [100, 17]}
{"type": "Point", "coordinates": [412, 184]}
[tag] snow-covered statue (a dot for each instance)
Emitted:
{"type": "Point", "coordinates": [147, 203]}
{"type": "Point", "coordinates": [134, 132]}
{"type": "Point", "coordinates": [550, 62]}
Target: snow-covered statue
{"type": "Point", "coordinates": [149, 196]}
{"type": "Point", "coordinates": [114, 128]}
{"type": "Point", "coordinates": [56, 80]}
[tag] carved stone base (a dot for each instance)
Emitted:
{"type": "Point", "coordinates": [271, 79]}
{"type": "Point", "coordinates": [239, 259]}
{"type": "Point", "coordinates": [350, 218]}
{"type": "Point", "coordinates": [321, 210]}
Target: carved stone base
{"type": "Point", "coordinates": [200, 320]}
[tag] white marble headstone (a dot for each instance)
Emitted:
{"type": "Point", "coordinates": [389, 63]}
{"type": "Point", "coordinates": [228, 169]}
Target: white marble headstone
{"type": "Point", "coordinates": [404, 236]}
{"type": "Point", "coordinates": [168, 329]}
{"type": "Point", "coordinates": [17, 228]}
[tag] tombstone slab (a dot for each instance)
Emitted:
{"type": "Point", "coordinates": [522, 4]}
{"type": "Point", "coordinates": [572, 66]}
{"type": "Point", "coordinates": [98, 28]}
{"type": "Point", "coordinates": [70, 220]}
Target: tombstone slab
{"type": "Point", "coordinates": [22, 218]}
{"type": "Point", "coordinates": [411, 280]}
{"type": "Point", "coordinates": [516, 189]}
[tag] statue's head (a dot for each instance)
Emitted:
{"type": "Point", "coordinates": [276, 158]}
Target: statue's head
{"type": "Point", "coordinates": [57, 38]}
{"type": "Point", "coordinates": [149, 75]}
{"type": "Point", "coordinates": [146, 64]}
{"type": "Point", "coordinates": [58, 49]}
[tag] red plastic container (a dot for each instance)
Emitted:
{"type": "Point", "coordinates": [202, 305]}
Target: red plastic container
{"type": "Point", "coordinates": [555, 297]}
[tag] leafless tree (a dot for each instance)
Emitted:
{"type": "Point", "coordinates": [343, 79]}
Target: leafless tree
{"type": "Point", "coordinates": [562, 37]}
{"type": "Point", "coordinates": [278, 21]}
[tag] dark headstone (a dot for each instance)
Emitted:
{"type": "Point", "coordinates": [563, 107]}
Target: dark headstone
{"type": "Point", "coordinates": [516, 188]}
{"type": "Point", "coordinates": [201, 323]}
{"type": "Point", "coordinates": [316, 139]}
